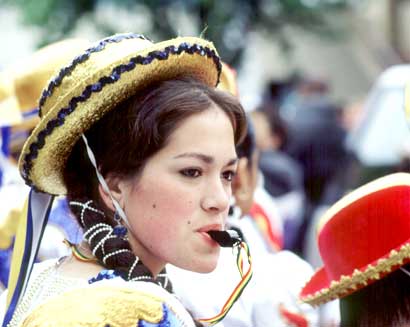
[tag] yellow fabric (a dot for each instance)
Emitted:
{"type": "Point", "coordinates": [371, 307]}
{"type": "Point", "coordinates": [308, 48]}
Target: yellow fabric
{"type": "Point", "coordinates": [97, 306]}
{"type": "Point", "coordinates": [18, 252]}
{"type": "Point", "coordinates": [8, 228]}
{"type": "Point", "coordinates": [10, 112]}
{"type": "Point", "coordinates": [6, 86]}
{"type": "Point", "coordinates": [9, 107]}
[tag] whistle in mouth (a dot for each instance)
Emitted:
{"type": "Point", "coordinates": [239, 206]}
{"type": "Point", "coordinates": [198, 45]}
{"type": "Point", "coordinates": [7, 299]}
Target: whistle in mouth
{"type": "Point", "coordinates": [226, 238]}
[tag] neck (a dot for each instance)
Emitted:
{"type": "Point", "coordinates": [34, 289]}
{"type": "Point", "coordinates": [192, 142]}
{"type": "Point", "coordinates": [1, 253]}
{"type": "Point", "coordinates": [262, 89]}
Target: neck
{"type": "Point", "coordinates": [153, 264]}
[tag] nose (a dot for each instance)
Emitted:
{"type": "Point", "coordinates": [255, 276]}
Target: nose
{"type": "Point", "coordinates": [216, 197]}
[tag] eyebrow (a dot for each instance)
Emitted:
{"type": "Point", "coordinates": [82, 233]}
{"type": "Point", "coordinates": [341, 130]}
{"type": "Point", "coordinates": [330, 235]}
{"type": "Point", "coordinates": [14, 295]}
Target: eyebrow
{"type": "Point", "coordinates": [203, 157]}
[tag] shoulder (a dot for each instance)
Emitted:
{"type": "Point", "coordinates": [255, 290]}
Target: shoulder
{"type": "Point", "coordinates": [111, 303]}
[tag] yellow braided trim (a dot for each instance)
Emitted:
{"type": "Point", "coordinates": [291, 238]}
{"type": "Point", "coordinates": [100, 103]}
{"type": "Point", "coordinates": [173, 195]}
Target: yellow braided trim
{"type": "Point", "coordinates": [8, 228]}
{"type": "Point", "coordinates": [359, 278]}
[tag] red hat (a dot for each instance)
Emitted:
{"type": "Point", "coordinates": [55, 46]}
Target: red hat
{"type": "Point", "coordinates": [362, 238]}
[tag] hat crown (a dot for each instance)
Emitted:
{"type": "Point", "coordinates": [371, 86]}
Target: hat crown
{"type": "Point", "coordinates": [33, 74]}
{"type": "Point", "coordinates": [6, 86]}
{"type": "Point", "coordinates": [91, 60]}
{"type": "Point", "coordinates": [27, 78]}
{"type": "Point", "coordinates": [366, 229]}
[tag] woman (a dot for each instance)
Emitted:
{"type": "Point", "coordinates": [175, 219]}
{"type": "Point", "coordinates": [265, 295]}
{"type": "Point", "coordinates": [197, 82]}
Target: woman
{"type": "Point", "coordinates": [142, 143]}
{"type": "Point", "coordinates": [364, 243]}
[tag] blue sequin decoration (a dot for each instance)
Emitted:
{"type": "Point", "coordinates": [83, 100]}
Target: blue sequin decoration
{"type": "Point", "coordinates": [5, 261]}
{"type": "Point", "coordinates": [115, 76]}
{"type": "Point", "coordinates": [82, 58]}
{"type": "Point", "coordinates": [104, 274]}
{"type": "Point", "coordinates": [120, 231]}
{"type": "Point", "coordinates": [168, 320]}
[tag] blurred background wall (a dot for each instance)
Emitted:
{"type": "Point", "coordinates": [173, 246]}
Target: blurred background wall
{"type": "Point", "coordinates": [346, 43]}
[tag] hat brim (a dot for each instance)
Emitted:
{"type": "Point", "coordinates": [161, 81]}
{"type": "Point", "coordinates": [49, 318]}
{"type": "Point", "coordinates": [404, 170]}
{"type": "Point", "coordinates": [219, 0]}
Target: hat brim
{"type": "Point", "coordinates": [321, 288]}
{"type": "Point", "coordinates": [112, 76]}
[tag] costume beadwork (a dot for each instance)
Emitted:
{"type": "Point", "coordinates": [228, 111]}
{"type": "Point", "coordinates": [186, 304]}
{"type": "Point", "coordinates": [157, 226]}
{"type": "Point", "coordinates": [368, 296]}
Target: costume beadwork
{"type": "Point", "coordinates": [49, 294]}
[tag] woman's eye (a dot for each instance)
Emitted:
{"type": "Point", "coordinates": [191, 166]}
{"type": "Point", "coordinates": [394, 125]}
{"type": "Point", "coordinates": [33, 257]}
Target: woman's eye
{"type": "Point", "coordinates": [229, 175]}
{"type": "Point", "coordinates": [191, 172]}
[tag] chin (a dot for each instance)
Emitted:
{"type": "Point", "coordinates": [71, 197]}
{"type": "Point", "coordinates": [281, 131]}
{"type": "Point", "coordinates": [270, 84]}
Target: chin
{"type": "Point", "coordinates": [203, 266]}
{"type": "Point", "coordinates": [208, 268]}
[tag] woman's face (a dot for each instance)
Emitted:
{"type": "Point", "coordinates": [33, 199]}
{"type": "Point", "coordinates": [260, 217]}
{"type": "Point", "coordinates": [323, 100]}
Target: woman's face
{"type": "Point", "coordinates": [182, 193]}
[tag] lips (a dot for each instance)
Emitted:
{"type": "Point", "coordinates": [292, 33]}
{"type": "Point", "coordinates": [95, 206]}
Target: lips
{"type": "Point", "coordinates": [207, 228]}
{"type": "Point", "coordinates": [203, 231]}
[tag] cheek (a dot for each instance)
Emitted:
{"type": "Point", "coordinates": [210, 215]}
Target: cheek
{"type": "Point", "coordinates": [163, 204]}
{"type": "Point", "coordinates": [170, 200]}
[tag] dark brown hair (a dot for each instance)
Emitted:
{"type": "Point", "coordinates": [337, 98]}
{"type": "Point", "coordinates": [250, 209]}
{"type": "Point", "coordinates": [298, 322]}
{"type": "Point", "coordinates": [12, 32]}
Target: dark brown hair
{"type": "Point", "coordinates": [123, 141]}
{"type": "Point", "coordinates": [386, 302]}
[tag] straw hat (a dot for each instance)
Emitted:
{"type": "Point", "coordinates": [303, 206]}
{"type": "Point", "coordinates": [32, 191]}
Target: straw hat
{"type": "Point", "coordinates": [21, 86]}
{"type": "Point", "coordinates": [363, 237]}
{"type": "Point", "coordinates": [9, 109]}
{"type": "Point", "coordinates": [227, 80]}
{"type": "Point", "coordinates": [93, 83]}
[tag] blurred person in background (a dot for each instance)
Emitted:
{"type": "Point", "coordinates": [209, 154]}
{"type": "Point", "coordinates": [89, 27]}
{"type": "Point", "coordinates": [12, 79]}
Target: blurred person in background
{"type": "Point", "coordinates": [21, 88]}
{"type": "Point", "coordinates": [379, 137]}
{"type": "Point", "coordinates": [316, 140]}
{"type": "Point", "coordinates": [404, 163]}
{"type": "Point", "coordinates": [316, 137]}
{"type": "Point", "coordinates": [342, 181]}
{"type": "Point", "coordinates": [282, 175]}
{"type": "Point", "coordinates": [263, 208]}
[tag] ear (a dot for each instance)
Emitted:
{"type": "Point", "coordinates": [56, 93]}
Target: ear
{"type": "Point", "coordinates": [117, 187]}
{"type": "Point", "coordinates": [241, 180]}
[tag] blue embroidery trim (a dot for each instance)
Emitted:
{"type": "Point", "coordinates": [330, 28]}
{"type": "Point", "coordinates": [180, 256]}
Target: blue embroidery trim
{"type": "Point", "coordinates": [168, 320]}
{"type": "Point", "coordinates": [80, 59]}
{"type": "Point", "coordinates": [5, 260]}
{"type": "Point", "coordinates": [104, 274]}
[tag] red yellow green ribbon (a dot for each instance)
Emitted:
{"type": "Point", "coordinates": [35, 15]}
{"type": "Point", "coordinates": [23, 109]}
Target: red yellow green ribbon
{"type": "Point", "coordinates": [77, 253]}
{"type": "Point", "coordinates": [243, 250]}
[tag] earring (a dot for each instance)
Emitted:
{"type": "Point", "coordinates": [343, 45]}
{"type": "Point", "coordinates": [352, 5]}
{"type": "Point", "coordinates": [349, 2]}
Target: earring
{"type": "Point", "coordinates": [119, 230]}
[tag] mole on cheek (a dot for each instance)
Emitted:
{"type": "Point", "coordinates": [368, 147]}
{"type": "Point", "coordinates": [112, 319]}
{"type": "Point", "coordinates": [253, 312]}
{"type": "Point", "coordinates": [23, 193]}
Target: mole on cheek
{"type": "Point", "coordinates": [189, 222]}
{"type": "Point", "coordinates": [154, 205]}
